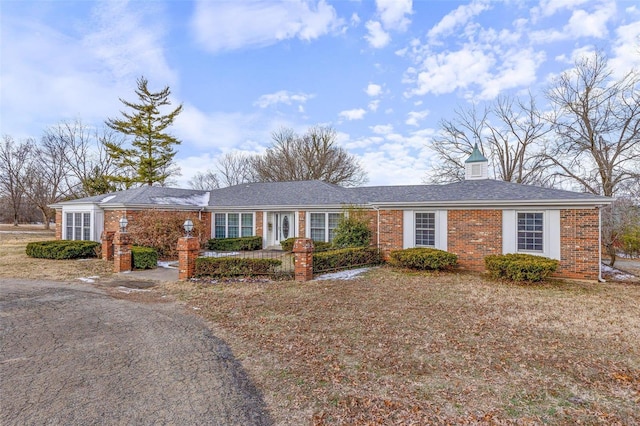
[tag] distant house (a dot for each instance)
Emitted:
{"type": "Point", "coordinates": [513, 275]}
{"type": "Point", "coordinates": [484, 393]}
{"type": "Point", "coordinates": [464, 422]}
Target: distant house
{"type": "Point", "coordinates": [472, 218]}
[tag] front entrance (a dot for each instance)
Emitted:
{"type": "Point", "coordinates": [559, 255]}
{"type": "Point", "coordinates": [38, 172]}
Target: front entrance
{"type": "Point", "coordinates": [283, 226]}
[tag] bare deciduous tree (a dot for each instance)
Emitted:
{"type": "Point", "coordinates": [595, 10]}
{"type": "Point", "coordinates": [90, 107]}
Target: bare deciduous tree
{"type": "Point", "coordinates": [618, 218]}
{"type": "Point", "coordinates": [14, 160]}
{"type": "Point", "coordinates": [235, 168]}
{"type": "Point", "coordinates": [204, 181]}
{"type": "Point", "coordinates": [508, 132]}
{"type": "Point", "coordinates": [597, 127]}
{"type": "Point", "coordinates": [312, 156]}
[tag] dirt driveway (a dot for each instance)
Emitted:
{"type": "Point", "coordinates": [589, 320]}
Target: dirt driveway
{"type": "Point", "coordinates": [71, 354]}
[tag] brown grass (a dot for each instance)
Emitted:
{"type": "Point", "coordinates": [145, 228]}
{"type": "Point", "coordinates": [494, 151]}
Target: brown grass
{"type": "Point", "coordinates": [14, 263]}
{"type": "Point", "coordinates": [402, 348]}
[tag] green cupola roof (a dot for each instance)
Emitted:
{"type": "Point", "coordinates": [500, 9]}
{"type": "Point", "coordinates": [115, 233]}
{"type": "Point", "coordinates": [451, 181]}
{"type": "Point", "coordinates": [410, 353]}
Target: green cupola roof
{"type": "Point", "coordinates": [476, 156]}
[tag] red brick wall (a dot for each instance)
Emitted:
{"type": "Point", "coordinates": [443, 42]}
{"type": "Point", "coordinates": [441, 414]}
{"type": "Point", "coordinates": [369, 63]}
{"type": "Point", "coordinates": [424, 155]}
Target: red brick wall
{"type": "Point", "coordinates": [59, 224]}
{"type": "Point", "coordinates": [259, 224]}
{"type": "Point", "coordinates": [302, 224]}
{"type": "Point", "coordinates": [579, 244]}
{"type": "Point", "coordinates": [390, 230]}
{"type": "Point", "coordinates": [474, 234]}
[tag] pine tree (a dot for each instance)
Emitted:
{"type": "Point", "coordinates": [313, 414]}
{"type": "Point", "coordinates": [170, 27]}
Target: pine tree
{"type": "Point", "coordinates": [151, 153]}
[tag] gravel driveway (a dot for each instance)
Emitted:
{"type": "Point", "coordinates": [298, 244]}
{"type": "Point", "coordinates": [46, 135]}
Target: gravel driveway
{"type": "Point", "coordinates": [71, 354]}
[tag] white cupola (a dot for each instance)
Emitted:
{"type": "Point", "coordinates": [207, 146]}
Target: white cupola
{"type": "Point", "coordinates": [476, 166]}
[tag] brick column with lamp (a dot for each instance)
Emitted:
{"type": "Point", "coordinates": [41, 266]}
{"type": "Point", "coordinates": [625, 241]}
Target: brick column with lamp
{"type": "Point", "coordinates": [107, 245]}
{"type": "Point", "coordinates": [188, 252]}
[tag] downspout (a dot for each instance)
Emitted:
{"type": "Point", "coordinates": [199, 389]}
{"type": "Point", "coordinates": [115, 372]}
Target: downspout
{"type": "Point", "coordinates": [377, 209]}
{"type": "Point", "coordinates": [600, 279]}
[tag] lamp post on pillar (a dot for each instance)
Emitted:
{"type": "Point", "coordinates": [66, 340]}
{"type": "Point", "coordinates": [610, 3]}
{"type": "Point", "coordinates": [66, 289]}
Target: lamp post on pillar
{"type": "Point", "coordinates": [122, 247]}
{"type": "Point", "coordinates": [188, 249]}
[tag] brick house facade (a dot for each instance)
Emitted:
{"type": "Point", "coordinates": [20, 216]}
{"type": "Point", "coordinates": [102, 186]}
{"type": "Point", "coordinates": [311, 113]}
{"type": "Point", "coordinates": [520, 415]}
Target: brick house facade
{"type": "Point", "coordinates": [472, 218]}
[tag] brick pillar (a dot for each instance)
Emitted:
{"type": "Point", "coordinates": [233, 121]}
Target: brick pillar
{"type": "Point", "coordinates": [188, 251]}
{"type": "Point", "coordinates": [303, 252]}
{"type": "Point", "coordinates": [107, 245]}
{"type": "Point", "coordinates": [121, 252]}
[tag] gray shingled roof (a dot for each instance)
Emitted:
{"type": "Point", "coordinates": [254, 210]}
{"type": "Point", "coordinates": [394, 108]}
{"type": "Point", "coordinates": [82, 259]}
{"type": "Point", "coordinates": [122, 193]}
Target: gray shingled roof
{"type": "Point", "coordinates": [300, 193]}
{"type": "Point", "coordinates": [149, 195]}
{"type": "Point", "coordinates": [317, 193]}
{"type": "Point", "coordinates": [471, 190]}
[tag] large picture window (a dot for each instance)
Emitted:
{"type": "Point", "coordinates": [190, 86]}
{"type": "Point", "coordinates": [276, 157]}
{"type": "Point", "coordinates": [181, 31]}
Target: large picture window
{"type": "Point", "coordinates": [78, 226]}
{"type": "Point", "coordinates": [322, 226]}
{"type": "Point", "coordinates": [426, 229]}
{"type": "Point", "coordinates": [530, 231]}
{"type": "Point", "coordinates": [233, 225]}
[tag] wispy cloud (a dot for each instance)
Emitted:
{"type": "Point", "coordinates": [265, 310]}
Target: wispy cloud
{"type": "Point", "coordinates": [352, 114]}
{"type": "Point", "coordinates": [283, 97]}
{"type": "Point", "coordinates": [229, 25]}
{"type": "Point", "coordinates": [393, 16]}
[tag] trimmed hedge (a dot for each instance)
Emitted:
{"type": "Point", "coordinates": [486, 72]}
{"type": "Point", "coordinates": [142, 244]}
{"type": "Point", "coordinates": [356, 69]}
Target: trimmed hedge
{"type": "Point", "coordinates": [144, 257]}
{"type": "Point", "coordinates": [318, 246]}
{"type": "Point", "coordinates": [231, 244]}
{"type": "Point", "coordinates": [63, 249]}
{"type": "Point", "coordinates": [346, 258]}
{"type": "Point", "coordinates": [234, 266]}
{"type": "Point", "coordinates": [423, 258]}
{"type": "Point", "coordinates": [520, 267]}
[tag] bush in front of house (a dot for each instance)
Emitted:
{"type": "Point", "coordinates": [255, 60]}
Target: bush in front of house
{"type": "Point", "coordinates": [352, 231]}
{"type": "Point", "coordinates": [520, 267]}
{"type": "Point", "coordinates": [346, 258]}
{"type": "Point", "coordinates": [161, 230]}
{"type": "Point", "coordinates": [235, 244]}
{"type": "Point", "coordinates": [63, 249]}
{"type": "Point", "coordinates": [144, 257]}
{"type": "Point", "coordinates": [234, 266]}
{"type": "Point", "coordinates": [318, 246]}
{"type": "Point", "coordinates": [424, 259]}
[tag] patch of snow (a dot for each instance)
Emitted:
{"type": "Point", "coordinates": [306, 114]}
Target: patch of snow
{"type": "Point", "coordinates": [342, 275]}
{"type": "Point", "coordinates": [166, 265]}
{"type": "Point", "coordinates": [616, 273]}
{"type": "Point", "coordinates": [109, 198]}
{"type": "Point", "coordinates": [128, 290]}
{"type": "Point", "coordinates": [195, 308]}
{"type": "Point", "coordinates": [89, 279]}
{"type": "Point", "coordinates": [216, 254]}
{"type": "Point", "coordinates": [200, 200]}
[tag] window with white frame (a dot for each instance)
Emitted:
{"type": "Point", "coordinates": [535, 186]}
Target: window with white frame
{"type": "Point", "coordinates": [233, 225]}
{"type": "Point", "coordinates": [322, 226]}
{"type": "Point", "coordinates": [530, 231]}
{"type": "Point", "coordinates": [78, 226]}
{"type": "Point", "coordinates": [425, 225]}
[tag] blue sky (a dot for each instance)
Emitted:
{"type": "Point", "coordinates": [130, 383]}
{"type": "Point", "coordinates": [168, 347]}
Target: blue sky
{"type": "Point", "coordinates": [382, 73]}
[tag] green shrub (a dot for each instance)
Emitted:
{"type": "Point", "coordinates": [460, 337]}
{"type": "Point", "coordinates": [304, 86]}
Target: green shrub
{"type": "Point", "coordinates": [346, 258]}
{"type": "Point", "coordinates": [423, 258]}
{"type": "Point", "coordinates": [318, 246]}
{"type": "Point", "coordinates": [352, 231]}
{"type": "Point", "coordinates": [231, 244]}
{"type": "Point", "coordinates": [144, 257]}
{"type": "Point", "coordinates": [520, 267]}
{"type": "Point", "coordinates": [631, 241]}
{"type": "Point", "coordinates": [234, 266]}
{"type": "Point", "coordinates": [63, 249]}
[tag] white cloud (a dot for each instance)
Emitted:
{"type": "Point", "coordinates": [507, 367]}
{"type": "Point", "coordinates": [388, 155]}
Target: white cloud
{"type": "Point", "coordinates": [517, 69]}
{"type": "Point", "coordinates": [585, 24]}
{"type": "Point", "coordinates": [626, 48]}
{"type": "Point", "coordinates": [415, 117]}
{"type": "Point", "coordinates": [373, 89]}
{"type": "Point", "coordinates": [377, 37]}
{"type": "Point", "coordinates": [393, 13]}
{"type": "Point", "coordinates": [228, 25]}
{"type": "Point", "coordinates": [373, 105]}
{"type": "Point", "coordinates": [355, 20]}
{"type": "Point", "coordinates": [550, 7]}
{"type": "Point", "coordinates": [382, 129]}
{"type": "Point", "coordinates": [353, 114]}
{"type": "Point", "coordinates": [283, 97]}
{"type": "Point", "coordinates": [457, 19]}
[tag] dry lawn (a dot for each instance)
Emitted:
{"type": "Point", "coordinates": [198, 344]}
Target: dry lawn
{"type": "Point", "coordinates": [417, 348]}
{"type": "Point", "coordinates": [14, 263]}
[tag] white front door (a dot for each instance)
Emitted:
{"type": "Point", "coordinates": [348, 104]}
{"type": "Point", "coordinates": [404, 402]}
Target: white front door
{"type": "Point", "coordinates": [284, 226]}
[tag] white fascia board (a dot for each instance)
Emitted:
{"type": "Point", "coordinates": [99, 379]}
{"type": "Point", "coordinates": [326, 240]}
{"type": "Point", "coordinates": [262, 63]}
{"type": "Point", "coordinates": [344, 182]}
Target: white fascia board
{"type": "Point", "coordinates": [280, 208]}
{"type": "Point", "coordinates": [151, 207]}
